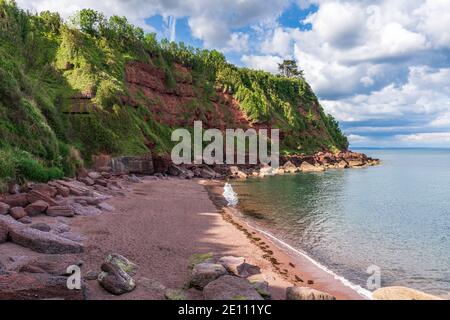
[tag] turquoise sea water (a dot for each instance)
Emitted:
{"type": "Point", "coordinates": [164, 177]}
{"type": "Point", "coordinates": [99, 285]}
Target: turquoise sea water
{"type": "Point", "coordinates": [395, 216]}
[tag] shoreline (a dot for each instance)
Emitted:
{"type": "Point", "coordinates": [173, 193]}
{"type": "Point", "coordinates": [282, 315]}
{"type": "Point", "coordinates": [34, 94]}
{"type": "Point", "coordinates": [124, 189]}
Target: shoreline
{"type": "Point", "coordinates": [290, 263]}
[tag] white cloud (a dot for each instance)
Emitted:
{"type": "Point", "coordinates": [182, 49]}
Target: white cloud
{"type": "Point", "coordinates": [427, 138]}
{"type": "Point", "coordinates": [268, 63]}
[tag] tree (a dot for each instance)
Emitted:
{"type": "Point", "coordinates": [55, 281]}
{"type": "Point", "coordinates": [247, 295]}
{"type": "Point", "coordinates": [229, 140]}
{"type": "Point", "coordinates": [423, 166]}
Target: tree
{"type": "Point", "coordinates": [289, 69]}
{"type": "Point", "coordinates": [89, 21]}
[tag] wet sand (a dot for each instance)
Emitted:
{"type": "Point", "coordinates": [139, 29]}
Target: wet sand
{"type": "Point", "coordinates": [161, 224]}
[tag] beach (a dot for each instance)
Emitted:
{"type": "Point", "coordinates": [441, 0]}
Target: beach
{"type": "Point", "coordinates": [160, 225]}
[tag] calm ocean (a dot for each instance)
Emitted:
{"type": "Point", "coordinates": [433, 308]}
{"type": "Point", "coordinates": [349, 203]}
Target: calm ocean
{"type": "Point", "coordinates": [395, 216]}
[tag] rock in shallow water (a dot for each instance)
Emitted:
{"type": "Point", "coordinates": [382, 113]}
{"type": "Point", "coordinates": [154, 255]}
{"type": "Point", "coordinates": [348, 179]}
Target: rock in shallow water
{"type": "Point", "coordinates": [230, 288]}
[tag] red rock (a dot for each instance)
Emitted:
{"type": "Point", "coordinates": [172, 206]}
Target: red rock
{"type": "Point", "coordinates": [60, 211]}
{"type": "Point", "coordinates": [26, 286]}
{"type": "Point", "coordinates": [35, 196]}
{"type": "Point", "coordinates": [3, 232]}
{"type": "Point", "coordinates": [45, 189]}
{"type": "Point", "coordinates": [17, 200]}
{"type": "Point", "coordinates": [4, 208]}
{"type": "Point", "coordinates": [87, 181]}
{"type": "Point", "coordinates": [43, 242]}
{"type": "Point", "coordinates": [36, 208]}
{"type": "Point", "coordinates": [17, 213]}
{"type": "Point", "coordinates": [101, 182]}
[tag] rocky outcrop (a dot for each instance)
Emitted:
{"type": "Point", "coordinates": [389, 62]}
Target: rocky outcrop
{"type": "Point", "coordinates": [230, 288]}
{"type": "Point", "coordinates": [402, 293]}
{"type": "Point", "coordinates": [305, 293]}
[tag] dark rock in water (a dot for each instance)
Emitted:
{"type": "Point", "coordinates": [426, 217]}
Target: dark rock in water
{"type": "Point", "coordinates": [17, 213]}
{"type": "Point", "coordinates": [43, 242]}
{"type": "Point", "coordinates": [16, 200]}
{"type": "Point", "coordinates": [4, 208]}
{"type": "Point", "coordinates": [204, 273]}
{"type": "Point", "coordinates": [36, 208]}
{"type": "Point", "coordinates": [26, 286]}
{"type": "Point", "coordinates": [41, 227]}
{"type": "Point", "coordinates": [305, 293]}
{"type": "Point", "coordinates": [230, 288]}
{"type": "Point", "coordinates": [115, 280]}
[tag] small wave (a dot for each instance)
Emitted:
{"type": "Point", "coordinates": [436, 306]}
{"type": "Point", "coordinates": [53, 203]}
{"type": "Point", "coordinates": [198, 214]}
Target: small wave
{"type": "Point", "coordinates": [230, 195]}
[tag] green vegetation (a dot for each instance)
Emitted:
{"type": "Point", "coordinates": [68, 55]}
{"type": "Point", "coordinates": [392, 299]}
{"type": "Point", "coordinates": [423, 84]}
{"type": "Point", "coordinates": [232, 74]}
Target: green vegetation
{"type": "Point", "coordinates": [49, 67]}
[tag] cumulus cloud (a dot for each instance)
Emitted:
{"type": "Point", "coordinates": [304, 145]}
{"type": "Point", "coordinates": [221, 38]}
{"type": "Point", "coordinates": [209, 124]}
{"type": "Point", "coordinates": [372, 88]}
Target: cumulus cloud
{"type": "Point", "coordinates": [268, 62]}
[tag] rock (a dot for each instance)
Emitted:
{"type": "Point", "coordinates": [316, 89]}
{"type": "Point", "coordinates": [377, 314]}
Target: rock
{"type": "Point", "coordinates": [236, 173]}
{"type": "Point", "coordinates": [267, 171]}
{"type": "Point", "coordinates": [80, 210]}
{"type": "Point", "coordinates": [289, 167]}
{"type": "Point", "coordinates": [25, 220]}
{"type": "Point", "coordinates": [101, 182]}
{"type": "Point", "coordinates": [105, 207]}
{"type": "Point", "coordinates": [45, 189]}
{"type": "Point", "coordinates": [261, 286]}
{"type": "Point", "coordinates": [3, 232]}
{"type": "Point", "coordinates": [43, 242]}
{"type": "Point", "coordinates": [62, 191]}
{"type": "Point", "coordinates": [204, 273]}
{"type": "Point", "coordinates": [17, 213]}
{"type": "Point", "coordinates": [36, 208]}
{"type": "Point", "coordinates": [87, 181]}
{"type": "Point", "coordinates": [13, 188]}
{"type": "Point", "coordinates": [114, 280]}
{"type": "Point", "coordinates": [402, 293]}
{"type": "Point", "coordinates": [238, 267]}
{"type": "Point", "coordinates": [60, 228]}
{"type": "Point", "coordinates": [230, 288]}
{"type": "Point", "coordinates": [207, 173]}
{"type": "Point", "coordinates": [305, 293]}
{"type": "Point", "coordinates": [183, 173]}
{"type": "Point", "coordinates": [60, 211]}
{"type": "Point", "coordinates": [122, 263]}
{"type": "Point", "coordinates": [91, 275]}
{"type": "Point", "coordinates": [35, 196]}
{"type": "Point", "coordinates": [341, 165]}
{"type": "Point", "coordinates": [4, 208]}
{"type": "Point", "coordinates": [93, 201]}
{"type": "Point", "coordinates": [356, 163]}
{"type": "Point", "coordinates": [26, 286]}
{"type": "Point", "coordinates": [74, 236]}
{"type": "Point", "coordinates": [41, 227]}
{"type": "Point", "coordinates": [106, 174]}
{"type": "Point", "coordinates": [133, 179]}
{"type": "Point", "coordinates": [307, 167]}
{"type": "Point", "coordinates": [94, 175]}
{"type": "Point", "coordinates": [16, 200]}
{"type": "Point", "coordinates": [175, 295]}
{"type": "Point", "coordinates": [52, 264]}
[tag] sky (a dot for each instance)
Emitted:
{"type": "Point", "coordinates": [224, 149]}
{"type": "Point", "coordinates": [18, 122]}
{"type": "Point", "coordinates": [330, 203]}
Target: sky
{"type": "Point", "coordinates": [381, 67]}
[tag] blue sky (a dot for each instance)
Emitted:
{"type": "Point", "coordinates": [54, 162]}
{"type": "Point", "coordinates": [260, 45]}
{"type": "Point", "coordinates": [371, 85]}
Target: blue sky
{"type": "Point", "coordinates": [381, 67]}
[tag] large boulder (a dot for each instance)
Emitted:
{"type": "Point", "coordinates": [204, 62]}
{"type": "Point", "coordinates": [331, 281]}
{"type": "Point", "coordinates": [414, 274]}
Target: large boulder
{"type": "Point", "coordinates": [17, 213]}
{"type": "Point", "coordinates": [35, 195]}
{"type": "Point", "coordinates": [43, 242]}
{"type": "Point", "coordinates": [36, 208]}
{"type": "Point", "coordinates": [16, 200]}
{"type": "Point", "coordinates": [60, 211]}
{"type": "Point", "coordinates": [54, 264]}
{"type": "Point", "coordinates": [45, 189]}
{"type": "Point", "coordinates": [305, 293]}
{"type": "Point", "coordinates": [115, 280]}
{"type": "Point", "coordinates": [402, 293]}
{"type": "Point", "coordinates": [27, 286]}
{"type": "Point", "coordinates": [178, 171]}
{"type": "Point", "coordinates": [4, 208]}
{"type": "Point", "coordinates": [204, 273]}
{"type": "Point", "coordinates": [122, 263]}
{"type": "Point", "coordinates": [230, 288]}
{"type": "Point", "coordinates": [307, 167]}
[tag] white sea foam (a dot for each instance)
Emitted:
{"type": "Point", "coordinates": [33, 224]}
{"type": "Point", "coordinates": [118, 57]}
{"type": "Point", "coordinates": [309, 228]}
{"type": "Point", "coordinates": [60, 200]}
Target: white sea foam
{"type": "Point", "coordinates": [232, 198]}
{"type": "Point", "coordinates": [230, 195]}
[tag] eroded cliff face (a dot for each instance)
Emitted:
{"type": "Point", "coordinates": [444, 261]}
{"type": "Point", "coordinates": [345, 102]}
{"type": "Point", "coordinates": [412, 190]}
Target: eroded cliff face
{"type": "Point", "coordinates": [182, 104]}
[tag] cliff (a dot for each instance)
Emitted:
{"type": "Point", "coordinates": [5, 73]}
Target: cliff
{"type": "Point", "coordinates": [96, 86]}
